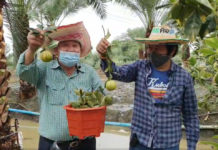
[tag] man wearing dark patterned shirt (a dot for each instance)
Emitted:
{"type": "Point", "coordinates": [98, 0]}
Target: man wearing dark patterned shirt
{"type": "Point", "coordinates": [164, 94]}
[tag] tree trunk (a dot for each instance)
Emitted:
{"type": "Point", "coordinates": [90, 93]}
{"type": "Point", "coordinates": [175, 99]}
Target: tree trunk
{"type": "Point", "coordinates": [19, 29]}
{"type": "Point", "coordinates": [8, 138]}
{"type": "Point", "coordinates": [27, 90]}
{"type": "Point", "coordinates": [185, 55]}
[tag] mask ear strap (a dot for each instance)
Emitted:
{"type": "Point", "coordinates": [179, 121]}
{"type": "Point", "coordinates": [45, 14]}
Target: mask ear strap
{"type": "Point", "coordinates": [78, 68]}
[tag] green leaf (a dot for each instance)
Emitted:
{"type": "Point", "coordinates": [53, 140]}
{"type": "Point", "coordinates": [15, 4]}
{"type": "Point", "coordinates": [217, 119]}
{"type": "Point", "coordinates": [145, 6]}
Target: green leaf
{"type": "Point", "coordinates": [75, 104]}
{"type": "Point", "coordinates": [176, 11]}
{"type": "Point", "coordinates": [98, 95]}
{"type": "Point", "coordinates": [107, 35]}
{"type": "Point", "coordinates": [77, 92]}
{"type": "Point", "coordinates": [173, 1]}
{"type": "Point", "coordinates": [108, 100]}
{"type": "Point", "coordinates": [53, 44]}
{"type": "Point", "coordinates": [192, 61]}
{"type": "Point", "coordinates": [193, 25]}
{"type": "Point", "coordinates": [205, 75]}
{"type": "Point", "coordinates": [81, 92]}
{"type": "Point", "coordinates": [203, 30]}
{"type": "Point", "coordinates": [211, 59]}
{"type": "Point", "coordinates": [215, 66]}
{"type": "Point", "coordinates": [107, 69]}
{"type": "Point", "coordinates": [211, 19]}
{"type": "Point", "coordinates": [88, 94]}
{"type": "Point", "coordinates": [208, 26]}
{"type": "Point", "coordinates": [206, 52]}
{"type": "Point", "coordinates": [212, 42]}
{"type": "Point", "coordinates": [90, 103]}
{"type": "Point", "coordinates": [40, 26]}
{"type": "Point", "coordinates": [215, 78]}
{"type": "Point", "coordinates": [205, 3]}
{"type": "Point", "coordinates": [51, 28]}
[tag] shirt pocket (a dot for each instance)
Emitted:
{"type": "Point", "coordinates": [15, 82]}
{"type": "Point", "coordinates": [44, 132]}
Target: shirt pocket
{"type": "Point", "coordinates": [55, 93]}
{"type": "Point", "coordinates": [176, 95]}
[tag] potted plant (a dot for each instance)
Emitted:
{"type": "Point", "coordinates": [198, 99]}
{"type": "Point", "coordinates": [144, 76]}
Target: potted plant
{"type": "Point", "coordinates": [86, 116]}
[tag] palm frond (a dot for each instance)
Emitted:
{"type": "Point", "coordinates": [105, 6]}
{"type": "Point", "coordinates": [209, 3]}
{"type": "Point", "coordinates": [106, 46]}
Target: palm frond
{"type": "Point", "coordinates": [17, 21]}
{"type": "Point", "coordinates": [99, 7]}
{"type": "Point", "coordinates": [63, 8]}
{"type": "Point", "coordinates": [146, 11]}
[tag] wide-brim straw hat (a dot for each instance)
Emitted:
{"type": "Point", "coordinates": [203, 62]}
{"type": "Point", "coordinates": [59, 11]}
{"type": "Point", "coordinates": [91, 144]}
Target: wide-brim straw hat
{"type": "Point", "coordinates": [76, 32]}
{"type": "Point", "coordinates": [162, 35]}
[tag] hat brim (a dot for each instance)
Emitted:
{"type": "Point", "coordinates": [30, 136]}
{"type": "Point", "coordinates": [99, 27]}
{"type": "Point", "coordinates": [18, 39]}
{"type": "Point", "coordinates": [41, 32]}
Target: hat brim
{"type": "Point", "coordinates": [161, 41]}
{"type": "Point", "coordinates": [76, 32]}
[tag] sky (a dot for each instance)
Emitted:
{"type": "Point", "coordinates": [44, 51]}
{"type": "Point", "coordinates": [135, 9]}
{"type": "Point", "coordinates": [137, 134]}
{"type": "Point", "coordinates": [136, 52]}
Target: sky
{"type": "Point", "coordinates": [119, 19]}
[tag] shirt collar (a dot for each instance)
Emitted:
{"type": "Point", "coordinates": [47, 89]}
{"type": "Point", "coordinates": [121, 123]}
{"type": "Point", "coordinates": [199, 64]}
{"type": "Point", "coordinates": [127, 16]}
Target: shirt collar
{"type": "Point", "coordinates": [79, 67]}
{"type": "Point", "coordinates": [55, 64]}
{"type": "Point", "coordinates": [172, 68]}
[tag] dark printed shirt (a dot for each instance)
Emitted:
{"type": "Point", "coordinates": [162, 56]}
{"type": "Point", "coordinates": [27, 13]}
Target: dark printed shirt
{"type": "Point", "coordinates": [160, 123]}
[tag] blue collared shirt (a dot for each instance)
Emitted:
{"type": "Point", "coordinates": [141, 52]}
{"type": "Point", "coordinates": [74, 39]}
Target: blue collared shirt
{"type": "Point", "coordinates": [159, 124]}
{"type": "Point", "coordinates": [55, 90]}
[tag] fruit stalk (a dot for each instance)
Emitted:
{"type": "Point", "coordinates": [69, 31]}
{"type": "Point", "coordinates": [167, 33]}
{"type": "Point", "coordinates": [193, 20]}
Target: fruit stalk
{"type": "Point", "coordinates": [109, 84]}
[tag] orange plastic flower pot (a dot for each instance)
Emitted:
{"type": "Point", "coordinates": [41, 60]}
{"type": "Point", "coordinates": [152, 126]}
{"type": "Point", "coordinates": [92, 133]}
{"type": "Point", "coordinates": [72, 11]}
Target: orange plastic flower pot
{"type": "Point", "coordinates": [85, 122]}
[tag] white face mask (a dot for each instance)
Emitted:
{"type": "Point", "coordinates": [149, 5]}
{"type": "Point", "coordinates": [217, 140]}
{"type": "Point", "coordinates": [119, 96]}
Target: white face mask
{"type": "Point", "coordinates": [69, 59]}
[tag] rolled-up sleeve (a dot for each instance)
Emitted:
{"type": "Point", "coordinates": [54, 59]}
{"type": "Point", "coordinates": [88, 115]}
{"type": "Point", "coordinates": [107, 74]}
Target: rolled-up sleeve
{"type": "Point", "coordinates": [125, 73]}
{"type": "Point", "coordinates": [29, 73]}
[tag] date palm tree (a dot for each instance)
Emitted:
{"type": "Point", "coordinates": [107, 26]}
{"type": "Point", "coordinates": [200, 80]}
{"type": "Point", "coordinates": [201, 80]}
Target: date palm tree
{"type": "Point", "coordinates": [147, 13]}
{"type": "Point", "coordinates": [8, 138]}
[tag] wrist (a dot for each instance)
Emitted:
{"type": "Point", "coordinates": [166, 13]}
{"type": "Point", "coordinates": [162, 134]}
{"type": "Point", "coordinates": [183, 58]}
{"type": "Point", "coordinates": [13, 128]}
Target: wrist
{"type": "Point", "coordinates": [32, 49]}
{"type": "Point", "coordinates": [30, 53]}
{"type": "Point", "coordinates": [103, 57]}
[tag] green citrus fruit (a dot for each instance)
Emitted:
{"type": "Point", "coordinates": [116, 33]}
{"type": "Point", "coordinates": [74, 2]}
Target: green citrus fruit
{"type": "Point", "coordinates": [111, 85]}
{"type": "Point", "coordinates": [108, 100]}
{"type": "Point", "coordinates": [46, 56]}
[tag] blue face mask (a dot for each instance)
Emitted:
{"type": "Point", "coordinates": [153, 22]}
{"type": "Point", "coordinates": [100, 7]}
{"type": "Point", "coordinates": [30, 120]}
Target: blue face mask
{"type": "Point", "coordinates": [69, 59]}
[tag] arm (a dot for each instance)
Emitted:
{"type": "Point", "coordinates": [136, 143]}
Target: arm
{"type": "Point", "coordinates": [31, 73]}
{"type": "Point", "coordinates": [34, 42]}
{"type": "Point", "coordinates": [126, 73]}
{"type": "Point", "coordinates": [190, 115]}
{"type": "Point", "coordinates": [27, 66]}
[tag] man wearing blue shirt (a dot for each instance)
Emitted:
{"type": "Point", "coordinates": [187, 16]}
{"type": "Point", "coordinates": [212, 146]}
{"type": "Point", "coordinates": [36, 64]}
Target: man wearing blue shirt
{"type": "Point", "coordinates": [164, 94]}
{"type": "Point", "coordinates": [56, 82]}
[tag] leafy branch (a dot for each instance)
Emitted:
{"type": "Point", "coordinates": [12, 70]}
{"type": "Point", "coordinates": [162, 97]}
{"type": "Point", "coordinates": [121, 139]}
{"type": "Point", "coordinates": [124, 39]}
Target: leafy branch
{"type": "Point", "coordinates": [91, 99]}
